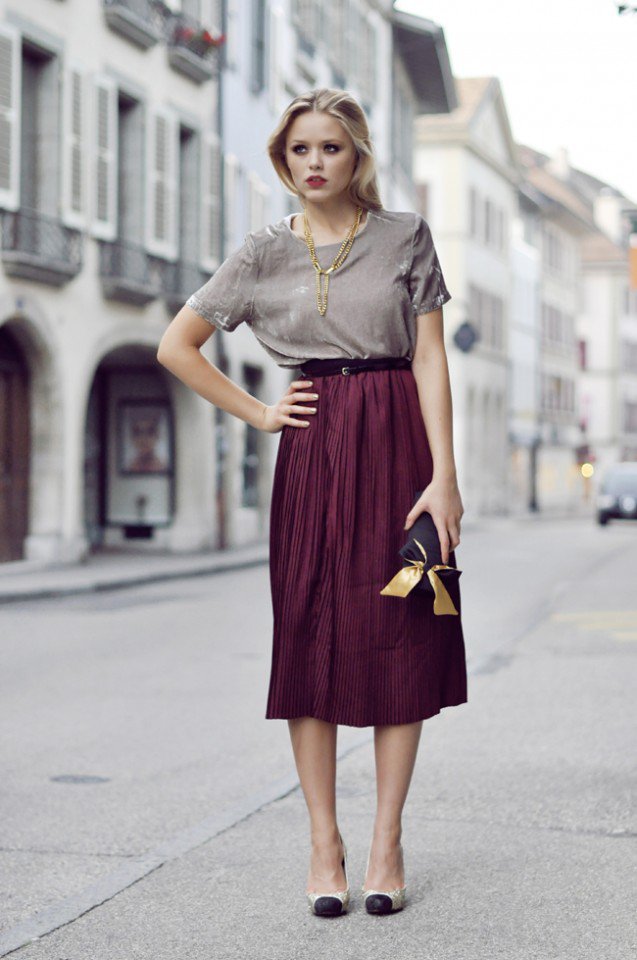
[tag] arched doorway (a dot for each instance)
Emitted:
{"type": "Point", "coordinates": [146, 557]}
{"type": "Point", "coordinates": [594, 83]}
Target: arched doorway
{"type": "Point", "coordinates": [15, 445]}
{"type": "Point", "coordinates": [128, 450]}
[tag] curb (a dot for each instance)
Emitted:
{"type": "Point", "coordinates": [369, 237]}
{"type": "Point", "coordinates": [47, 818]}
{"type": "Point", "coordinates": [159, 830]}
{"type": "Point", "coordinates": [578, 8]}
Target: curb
{"type": "Point", "coordinates": [102, 581]}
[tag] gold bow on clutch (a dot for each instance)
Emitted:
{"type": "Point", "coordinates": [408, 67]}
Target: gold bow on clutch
{"type": "Point", "coordinates": [407, 578]}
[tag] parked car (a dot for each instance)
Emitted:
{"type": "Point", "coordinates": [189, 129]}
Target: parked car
{"type": "Point", "coordinates": [617, 496]}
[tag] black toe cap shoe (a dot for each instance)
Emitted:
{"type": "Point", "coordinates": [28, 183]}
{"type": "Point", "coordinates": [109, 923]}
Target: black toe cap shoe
{"type": "Point", "coordinates": [328, 906]}
{"type": "Point", "coordinates": [379, 903]}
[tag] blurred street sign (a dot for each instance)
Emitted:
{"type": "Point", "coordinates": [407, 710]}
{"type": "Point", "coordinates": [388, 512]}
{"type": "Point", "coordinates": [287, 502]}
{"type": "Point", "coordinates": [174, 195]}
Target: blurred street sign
{"type": "Point", "coordinates": [465, 336]}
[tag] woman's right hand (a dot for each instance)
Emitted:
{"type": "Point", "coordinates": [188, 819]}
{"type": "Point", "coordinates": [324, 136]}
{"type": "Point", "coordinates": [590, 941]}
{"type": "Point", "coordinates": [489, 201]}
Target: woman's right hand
{"type": "Point", "coordinates": [278, 416]}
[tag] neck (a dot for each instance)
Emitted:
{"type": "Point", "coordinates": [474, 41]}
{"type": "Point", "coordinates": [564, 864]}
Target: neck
{"type": "Point", "coordinates": [336, 217]}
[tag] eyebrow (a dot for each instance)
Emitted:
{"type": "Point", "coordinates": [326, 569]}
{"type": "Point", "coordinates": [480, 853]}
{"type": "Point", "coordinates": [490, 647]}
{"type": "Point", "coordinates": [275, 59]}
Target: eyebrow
{"type": "Point", "coordinates": [329, 140]}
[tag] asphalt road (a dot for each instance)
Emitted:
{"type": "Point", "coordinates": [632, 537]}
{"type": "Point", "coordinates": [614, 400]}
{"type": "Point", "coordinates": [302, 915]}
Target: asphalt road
{"type": "Point", "coordinates": [148, 810]}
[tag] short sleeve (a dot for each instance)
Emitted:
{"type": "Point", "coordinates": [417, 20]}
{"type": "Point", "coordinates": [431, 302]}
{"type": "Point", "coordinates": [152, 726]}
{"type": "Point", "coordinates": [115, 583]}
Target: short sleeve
{"type": "Point", "coordinates": [227, 298]}
{"type": "Point", "coordinates": [427, 290]}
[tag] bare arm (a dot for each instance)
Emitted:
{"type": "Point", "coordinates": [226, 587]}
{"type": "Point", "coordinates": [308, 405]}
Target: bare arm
{"type": "Point", "coordinates": [180, 352]}
{"type": "Point", "coordinates": [431, 372]}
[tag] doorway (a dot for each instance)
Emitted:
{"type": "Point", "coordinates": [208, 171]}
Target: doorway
{"type": "Point", "coordinates": [15, 445]}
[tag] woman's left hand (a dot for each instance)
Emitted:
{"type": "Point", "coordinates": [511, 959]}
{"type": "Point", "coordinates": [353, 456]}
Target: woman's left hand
{"type": "Point", "coordinates": [442, 500]}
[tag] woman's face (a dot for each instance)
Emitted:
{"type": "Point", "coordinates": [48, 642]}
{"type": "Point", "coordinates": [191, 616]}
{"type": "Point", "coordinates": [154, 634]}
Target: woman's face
{"type": "Point", "coordinates": [317, 144]}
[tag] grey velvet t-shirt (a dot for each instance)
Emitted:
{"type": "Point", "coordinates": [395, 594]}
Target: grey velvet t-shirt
{"type": "Point", "coordinates": [390, 276]}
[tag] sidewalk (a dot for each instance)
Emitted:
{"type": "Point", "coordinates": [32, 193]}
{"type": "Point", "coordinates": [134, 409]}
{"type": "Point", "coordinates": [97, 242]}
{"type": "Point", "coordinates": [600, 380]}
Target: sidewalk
{"type": "Point", "coordinates": [110, 570]}
{"type": "Point", "coordinates": [114, 569]}
{"type": "Point", "coordinates": [519, 830]}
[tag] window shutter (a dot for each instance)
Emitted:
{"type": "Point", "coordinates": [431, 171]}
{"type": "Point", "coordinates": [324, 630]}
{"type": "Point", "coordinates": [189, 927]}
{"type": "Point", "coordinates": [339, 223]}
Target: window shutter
{"type": "Point", "coordinates": [306, 17]}
{"type": "Point", "coordinates": [422, 198]}
{"type": "Point", "coordinates": [274, 55]}
{"type": "Point", "coordinates": [230, 177]}
{"type": "Point", "coordinates": [231, 44]}
{"type": "Point", "coordinates": [338, 31]}
{"type": "Point", "coordinates": [211, 202]}
{"type": "Point", "coordinates": [259, 195]}
{"type": "Point", "coordinates": [162, 160]}
{"type": "Point", "coordinates": [316, 20]}
{"type": "Point", "coordinates": [210, 14]}
{"type": "Point", "coordinates": [74, 180]}
{"type": "Point", "coordinates": [352, 41]}
{"type": "Point", "coordinates": [104, 159]}
{"type": "Point", "coordinates": [10, 83]}
{"type": "Point", "coordinates": [368, 60]}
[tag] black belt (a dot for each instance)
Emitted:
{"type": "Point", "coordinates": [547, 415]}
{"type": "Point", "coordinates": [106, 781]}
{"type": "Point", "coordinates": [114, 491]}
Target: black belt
{"type": "Point", "coordinates": [345, 365]}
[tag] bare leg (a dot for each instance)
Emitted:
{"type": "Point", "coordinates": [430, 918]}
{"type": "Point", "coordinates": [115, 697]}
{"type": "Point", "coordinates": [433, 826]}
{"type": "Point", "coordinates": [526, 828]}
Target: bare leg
{"type": "Point", "coordinates": [314, 746]}
{"type": "Point", "coordinates": [396, 747]}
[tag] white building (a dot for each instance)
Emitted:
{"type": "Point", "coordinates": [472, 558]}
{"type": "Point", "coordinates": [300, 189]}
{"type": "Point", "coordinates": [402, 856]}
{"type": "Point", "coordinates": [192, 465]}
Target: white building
{"type": "Point", "coordinates": [396, 65]}
{"type": "Point", "coordinates": [588, 408]}
{"type": "Point", "coordinates": [566, 221]}
{"type": "Point", "coordinates": [467, 173]}
{"type": "Point", "coordinates": [132, 161]}
{"type": "Point", "coordinates": [607, 335]}
{"type": "Point", "coordinates": [524, 350]}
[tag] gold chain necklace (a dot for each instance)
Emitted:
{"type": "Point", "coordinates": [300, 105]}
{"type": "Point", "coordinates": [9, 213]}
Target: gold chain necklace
{"type": "Point", "coordinates": [321, 297]}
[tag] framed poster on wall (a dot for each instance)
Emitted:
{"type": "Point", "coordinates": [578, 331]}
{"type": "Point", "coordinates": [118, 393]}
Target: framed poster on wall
{"type": "Point", "coordinates": [142, 462]}
{"type": "Point", "coordinates": [144, 440]}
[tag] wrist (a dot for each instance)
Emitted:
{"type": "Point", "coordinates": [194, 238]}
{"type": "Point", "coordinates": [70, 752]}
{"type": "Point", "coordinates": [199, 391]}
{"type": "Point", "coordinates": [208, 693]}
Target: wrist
{"type": "Point", "coordinates": [445, 475]}
{"type": "Point", "coordinates": [261, 418]}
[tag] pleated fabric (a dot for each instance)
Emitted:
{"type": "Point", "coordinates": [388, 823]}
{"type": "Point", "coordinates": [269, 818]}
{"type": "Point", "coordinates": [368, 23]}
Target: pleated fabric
{"type": "Point", "coordinates": [342, 488]}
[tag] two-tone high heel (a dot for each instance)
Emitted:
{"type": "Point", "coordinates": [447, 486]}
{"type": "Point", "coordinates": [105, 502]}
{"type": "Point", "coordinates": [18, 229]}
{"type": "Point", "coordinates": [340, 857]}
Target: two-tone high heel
{"type": "Point", "coordinates": [383, 901]}
{"type": "Point", "coordinates": [331, 904]}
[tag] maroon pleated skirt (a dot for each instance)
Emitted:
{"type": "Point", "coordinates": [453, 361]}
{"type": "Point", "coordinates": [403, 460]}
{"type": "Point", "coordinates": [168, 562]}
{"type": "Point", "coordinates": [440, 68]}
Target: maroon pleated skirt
{"type": "Point", "coordinates": [342, 488]}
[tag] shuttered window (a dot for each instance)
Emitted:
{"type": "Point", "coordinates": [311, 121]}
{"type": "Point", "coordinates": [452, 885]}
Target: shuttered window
{"type": "Point", "coordinates": [368, 61]}
{"type": "Point", "coordinates": [162, 158]}
{"type": "Point", "coordinates": [211, 202]}
{"type": "Point", "coordinates": [211, 14]}
{"type": "Point", "coordinates": [258, 201]}
{"type": "Point", "coordinates": [104, 158]}
{"type": "Point", "coordinates": [10, 64]}
{"type": "Point", "coordinates": [337, 12]}
{"type": "Point", "coordinates": [74, 153]}
{"type": "Point", "coordinates": [231, 175]}
{"type": "Point", "coordinates": [257, 45]}
{"type": "Point", "coordinates": [274, 54]}
{"type": "Point", "coordinates": [206, 12]}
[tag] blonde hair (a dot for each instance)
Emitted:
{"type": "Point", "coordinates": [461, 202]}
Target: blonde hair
{"type": "Point", "coordinates": [363, 186]}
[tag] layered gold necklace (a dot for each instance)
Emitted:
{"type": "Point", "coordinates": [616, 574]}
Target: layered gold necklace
{"type": "Point", "coordinates": [321, 295]}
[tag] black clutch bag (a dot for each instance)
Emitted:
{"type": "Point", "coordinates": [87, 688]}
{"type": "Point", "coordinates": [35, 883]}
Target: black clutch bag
{"type": "Point", "coordinates": [423, 570]}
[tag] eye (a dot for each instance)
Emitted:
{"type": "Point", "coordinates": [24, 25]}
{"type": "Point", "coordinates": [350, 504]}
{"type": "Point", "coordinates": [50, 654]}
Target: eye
{"type": "Point", "coordinates": [301, 146]}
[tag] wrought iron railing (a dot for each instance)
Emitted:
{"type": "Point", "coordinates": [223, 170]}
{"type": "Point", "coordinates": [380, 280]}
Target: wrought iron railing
{"type": "Point", "coordinates": [129, 265]}
{"type": "Point", "coordinates": [139, 20]}
{"type": "Point", "coordinates": [144, 10]}
{"type": "Point", "coordinates": [187, 32]}
{"type": "Point", "coordinates": [180, 279]}
{"type": "Point", "coordinates": [42, 239]}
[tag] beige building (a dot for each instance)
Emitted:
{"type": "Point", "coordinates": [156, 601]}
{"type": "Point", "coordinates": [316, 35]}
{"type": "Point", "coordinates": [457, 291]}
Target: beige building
{"type": "Point", "coordinates": [109, 194]}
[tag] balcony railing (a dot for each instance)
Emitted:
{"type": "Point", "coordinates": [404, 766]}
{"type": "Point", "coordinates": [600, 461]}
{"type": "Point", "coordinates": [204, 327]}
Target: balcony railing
{"type": "Point", "coordinates": [128, 272]}
{"type": "Point", "coordinates": [192, 49]}
{"type": "Point", "coordinates": [40, 247]}
{"type": "Point", "coordinates": [179, 280]}
{"type": "Point", "coordinates": [138, 20]}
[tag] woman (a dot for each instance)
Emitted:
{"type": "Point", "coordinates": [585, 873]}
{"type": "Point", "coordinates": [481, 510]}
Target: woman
{"type": "Point", "coordinates": [366, 426]}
